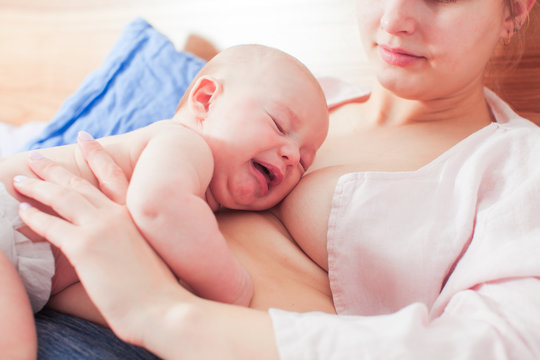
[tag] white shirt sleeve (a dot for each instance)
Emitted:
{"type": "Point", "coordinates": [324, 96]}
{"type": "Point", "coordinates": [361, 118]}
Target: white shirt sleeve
{"type": "Point", "coordinates": [496, 321]}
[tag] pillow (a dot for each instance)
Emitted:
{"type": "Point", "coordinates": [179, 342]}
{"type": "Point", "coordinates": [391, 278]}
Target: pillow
{"type": "Point", "coordinates": [141, 81]}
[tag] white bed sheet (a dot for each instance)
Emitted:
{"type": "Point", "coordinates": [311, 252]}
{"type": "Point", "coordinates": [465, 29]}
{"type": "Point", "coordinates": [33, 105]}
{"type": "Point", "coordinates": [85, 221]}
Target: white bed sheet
{"type": "Point", "coordinates": [13, 138]}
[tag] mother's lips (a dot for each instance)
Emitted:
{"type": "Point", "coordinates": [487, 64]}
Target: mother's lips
{"type": "Point", "coordinates": [398, 50]}
{"type": "Point", "coordinates": [397, 56]}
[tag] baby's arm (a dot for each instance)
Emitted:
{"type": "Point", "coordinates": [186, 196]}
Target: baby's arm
{"type": "Point", "coordinates": [166, 200]}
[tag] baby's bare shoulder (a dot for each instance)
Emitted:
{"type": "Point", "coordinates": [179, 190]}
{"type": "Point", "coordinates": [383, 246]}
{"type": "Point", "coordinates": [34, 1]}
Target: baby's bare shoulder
{"type": "Point", "coordinates": [173, 139]}
{"type": "Point", "coordinates": [165, 131]}
{"type": "Point", "coordinates": [172, 128]}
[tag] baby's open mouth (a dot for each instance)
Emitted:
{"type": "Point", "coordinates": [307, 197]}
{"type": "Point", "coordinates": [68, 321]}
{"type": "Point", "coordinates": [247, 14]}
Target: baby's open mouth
{"type": "Point", "coordinates": [265, 171]}
{"type": "Point", "coordinates": [268, 174]}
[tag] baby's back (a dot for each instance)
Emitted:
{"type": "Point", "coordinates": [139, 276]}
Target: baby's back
{"type": "Point", "coordinates": [125, 150]}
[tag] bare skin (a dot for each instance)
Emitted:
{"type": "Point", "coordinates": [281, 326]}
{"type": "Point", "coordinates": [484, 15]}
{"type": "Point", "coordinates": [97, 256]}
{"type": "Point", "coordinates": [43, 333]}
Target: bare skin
{"type": "Point", "coordinates": [387, 133]}
{"type": "Point", "coordinates": [19, 319]}
{"type": "Point", "coordinates": [285, 276]}
{"type": "Point", "coordinates": [272, 255]}
{"type": "Point", "coordinates": [239, 142]}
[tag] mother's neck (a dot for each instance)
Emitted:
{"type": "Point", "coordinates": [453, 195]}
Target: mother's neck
{"type": "Point", "coordinates": [466, 108]}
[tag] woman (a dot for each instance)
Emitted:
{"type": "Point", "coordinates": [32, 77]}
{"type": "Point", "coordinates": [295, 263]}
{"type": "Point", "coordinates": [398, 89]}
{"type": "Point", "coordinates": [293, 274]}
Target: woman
{"type": "Point", "coordinates": [427, 194]}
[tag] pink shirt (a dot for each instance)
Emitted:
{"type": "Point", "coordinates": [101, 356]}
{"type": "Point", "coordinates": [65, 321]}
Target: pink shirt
{"type": "Point", "coordinates": [439, 263]}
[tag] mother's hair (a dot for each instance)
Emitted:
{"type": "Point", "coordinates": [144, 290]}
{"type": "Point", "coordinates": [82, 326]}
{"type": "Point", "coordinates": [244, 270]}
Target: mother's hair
{"type": "Point", "coordinates": [514, 71]}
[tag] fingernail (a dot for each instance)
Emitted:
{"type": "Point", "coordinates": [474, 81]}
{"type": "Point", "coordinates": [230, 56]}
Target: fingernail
{"type": "Point", "coordinates": [24, 205]}
{"type": "Point", "coordinates": [84, 136]}
{"type": "Point", "coordinates": [34, 155]}
{"type": "Point", "coordinates": [20, 178]}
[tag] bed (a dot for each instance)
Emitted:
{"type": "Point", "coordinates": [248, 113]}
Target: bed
{"type": "Point", "coordinates": [49, 48]}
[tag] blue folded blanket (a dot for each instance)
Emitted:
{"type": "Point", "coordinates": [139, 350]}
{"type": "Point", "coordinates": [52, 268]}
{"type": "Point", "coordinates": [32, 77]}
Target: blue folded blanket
{"type": "Point", "coordinates": [141, 81]}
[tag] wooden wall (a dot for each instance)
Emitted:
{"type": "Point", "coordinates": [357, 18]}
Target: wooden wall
{"type": "Point", "coordinates": [48, 47]}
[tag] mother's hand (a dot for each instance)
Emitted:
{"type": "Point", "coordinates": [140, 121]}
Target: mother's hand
{"type": "Point", "coordinates": [118, 269]}
{"type": "Point", "coordinates": [112, 180]}
{"type": "Point", "coordinates": [136, 293]}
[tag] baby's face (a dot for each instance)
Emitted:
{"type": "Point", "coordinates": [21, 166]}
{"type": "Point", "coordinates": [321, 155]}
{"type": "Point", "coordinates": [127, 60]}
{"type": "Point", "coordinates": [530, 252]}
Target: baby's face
{"type": "Point", "coordinates": [264, 138]}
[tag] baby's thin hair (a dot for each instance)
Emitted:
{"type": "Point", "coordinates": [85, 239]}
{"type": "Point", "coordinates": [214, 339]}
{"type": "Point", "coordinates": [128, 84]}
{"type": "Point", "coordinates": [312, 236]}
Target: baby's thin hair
{"type": "Point", "coordinates": [236, 61]}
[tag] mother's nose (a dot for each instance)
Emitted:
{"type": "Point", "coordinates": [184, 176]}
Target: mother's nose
{"type": "Point", "coordinates": [400, 16]}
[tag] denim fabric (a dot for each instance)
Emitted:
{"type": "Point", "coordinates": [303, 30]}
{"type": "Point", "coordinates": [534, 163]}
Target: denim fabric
{"type": "Point", "coordinates": [62, 336]}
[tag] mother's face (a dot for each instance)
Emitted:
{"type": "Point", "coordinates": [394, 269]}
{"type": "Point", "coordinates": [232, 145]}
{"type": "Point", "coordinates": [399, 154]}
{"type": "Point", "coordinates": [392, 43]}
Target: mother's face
{"type": "Point", "coordinates": [428, 49]}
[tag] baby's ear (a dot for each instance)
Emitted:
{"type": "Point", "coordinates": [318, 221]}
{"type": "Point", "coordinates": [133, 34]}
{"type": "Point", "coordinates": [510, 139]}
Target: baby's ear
{"type": "Point", "coordinates": [203, 93]}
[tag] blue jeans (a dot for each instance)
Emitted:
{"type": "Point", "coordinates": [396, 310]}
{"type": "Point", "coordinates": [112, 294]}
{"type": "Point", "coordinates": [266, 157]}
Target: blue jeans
{"type": "Point", "coordinates": [62, 336]}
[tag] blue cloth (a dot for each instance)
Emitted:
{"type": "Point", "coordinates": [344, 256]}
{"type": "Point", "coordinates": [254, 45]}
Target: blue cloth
{"type": "Point", "coordinates": [141, 81]}
{"type": "Point", "coordinates": [64, 337]}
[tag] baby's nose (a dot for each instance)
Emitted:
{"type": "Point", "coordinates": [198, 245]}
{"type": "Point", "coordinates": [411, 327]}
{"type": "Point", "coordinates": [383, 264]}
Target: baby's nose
{"type": "Point", "coordinates": [290, 153]}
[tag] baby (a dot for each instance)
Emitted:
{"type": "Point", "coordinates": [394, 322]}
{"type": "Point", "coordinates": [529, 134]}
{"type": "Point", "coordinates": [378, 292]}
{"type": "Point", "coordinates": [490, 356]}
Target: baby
{"type": "Point", "coordinates": [246, 130]}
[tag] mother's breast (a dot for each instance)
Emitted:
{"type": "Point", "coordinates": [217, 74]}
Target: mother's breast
{"type": "Point", "coordinates": [284, 277]}
{"type": "Point", "coordinates": [306, 210]}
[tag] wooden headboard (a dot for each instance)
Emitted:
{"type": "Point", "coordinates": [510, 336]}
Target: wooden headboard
{"type": "Point", "coordinates": [520, 86]}
{"type": "Point", "coordinates": [48, 47]}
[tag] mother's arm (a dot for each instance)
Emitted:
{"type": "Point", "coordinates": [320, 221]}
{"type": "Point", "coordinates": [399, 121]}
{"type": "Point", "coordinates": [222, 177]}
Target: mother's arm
{"type": "Point", "coordinates": [137, 294]}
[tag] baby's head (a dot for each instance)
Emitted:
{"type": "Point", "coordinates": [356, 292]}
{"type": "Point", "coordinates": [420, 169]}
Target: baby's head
{"type": "Point", "coordinates": [264, 116]}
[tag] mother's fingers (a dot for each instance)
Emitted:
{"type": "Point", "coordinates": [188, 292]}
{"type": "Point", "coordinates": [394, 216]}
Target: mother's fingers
{"type": "Point", "coordinates": [55, 173]}
{"type": "Point", "coordinates": [56, 230]}
{"type": "Point", "coordinates": [68, 203]}
{"type": "Point", "coordinates": [111, 178]}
